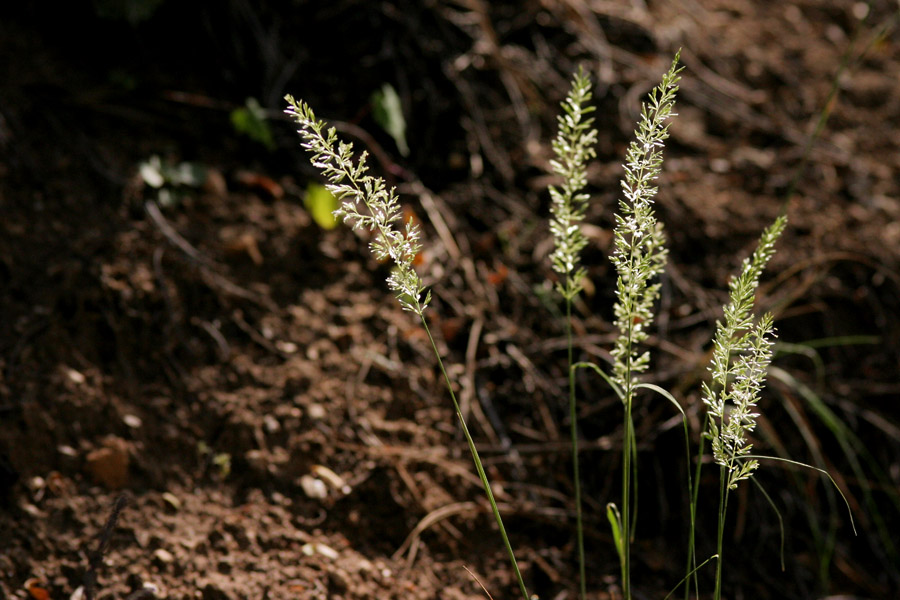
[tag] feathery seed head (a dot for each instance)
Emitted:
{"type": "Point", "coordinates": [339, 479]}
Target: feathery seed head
{"type": "Point", "coordinates": [640, 253]}
{"type": "Point", "coordinates": [573, 147]}
{"type": "Point", "coordinates": [742, 352]}
{"type": "Point", "coordinates": [365, 203]}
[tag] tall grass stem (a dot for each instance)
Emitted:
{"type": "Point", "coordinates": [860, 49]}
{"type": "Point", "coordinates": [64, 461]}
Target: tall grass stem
{"type": "Point", "coordinates": [576, 474]}
{"type": "Point", "coordinates": [479, 467]}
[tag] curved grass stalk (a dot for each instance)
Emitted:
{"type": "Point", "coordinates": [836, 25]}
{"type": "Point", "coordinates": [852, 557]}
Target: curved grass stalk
{"type": "Point", "coordinates": [612, 382]}
{"type": "Point", "coordinates": [367, 203]}
{"type": "Point", "coordinates": [797, 463]}
{"type": "Point", "coordinates": [741, 355]}
{"type": "Point", "coordinates": [479, 467]}
{"type": "Point", "coordinates": [690, 574]}
{"type": "Point", "coordinates": [771, 502]}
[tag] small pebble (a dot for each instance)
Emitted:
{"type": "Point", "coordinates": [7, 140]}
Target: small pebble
{"type": "Point", "coordinates": [213, 592]}
{"type": "Point", "coordinates": [162, 556]}
{"type": "Point", "coordinates": [171, 501]}
{"type": "Point", "coordinates": [75, 376]}
{"type": "Point", "coordinates": [319, 548]}
{"type": "Point", "coordinates": [315, 411]}
{"type": "Point", "coordinates": [314, 488]}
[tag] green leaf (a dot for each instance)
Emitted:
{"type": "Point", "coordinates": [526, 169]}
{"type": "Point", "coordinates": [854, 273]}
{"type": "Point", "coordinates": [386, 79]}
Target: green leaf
{"type": "Point", "coordinates": [321, 204]}
{"type": "Point", "coordinates": [615, 523]}
{"type": "Point", "coordinates": [388, 113]}
{"type": "Point", "coordinates": [615, 386]}
{"type": "Point", "coordinates": [812, 468]}
{"type": "Point", "coordinates": [665, 394]}
{"type": "Point", "coordinates": [251, 121]}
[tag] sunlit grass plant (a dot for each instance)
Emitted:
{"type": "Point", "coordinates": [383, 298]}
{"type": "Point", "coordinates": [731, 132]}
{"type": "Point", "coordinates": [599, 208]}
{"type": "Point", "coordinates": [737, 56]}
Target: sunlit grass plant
{"type": "Point", "coordinates": [742, 345]}
{"type": "Point", "coordinates": [367, 203]}
{"type": "Point", "coordinates": [573, 148]}
{"type": "Point", "coordinates": [639, 257]}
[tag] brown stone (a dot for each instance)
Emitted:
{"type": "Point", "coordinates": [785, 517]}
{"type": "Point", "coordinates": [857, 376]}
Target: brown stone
{"type": "Point", "coordinates": [108, 465]}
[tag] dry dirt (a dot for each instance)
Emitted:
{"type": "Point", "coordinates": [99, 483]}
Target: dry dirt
{"type": "Point", "coordinates": [233, 393]}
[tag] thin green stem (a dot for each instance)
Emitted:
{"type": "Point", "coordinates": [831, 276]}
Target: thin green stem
{"type": "Point", "coordinates": [723, 508]}
{"type": "Point", "coordinates": [576, 475]}
{"type": "Point", "coordinates": [628, 442]}
{"type": "Point", "coordinates": [723, 500]}
{"type": "Point", "coordinates": [634, 479]}
{"type": "Point", "coordinates": [692, 538]}
{"type": "Point", "coordinates": [690, 574]}
{"type": "Point", "coordinates": [478, 466]}
{"type": "Point", "coordinates": [626, 492]}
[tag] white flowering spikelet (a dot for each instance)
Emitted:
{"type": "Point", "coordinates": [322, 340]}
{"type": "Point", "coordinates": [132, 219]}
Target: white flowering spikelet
{"type": "Point", "coordinates": [366, 203]}
{"type": "Point", "coordinates": [741, 355]}
{"type": "Point", "coordinates": [640, 253]}
{"type": "Point", "coordinates": [573, 147]}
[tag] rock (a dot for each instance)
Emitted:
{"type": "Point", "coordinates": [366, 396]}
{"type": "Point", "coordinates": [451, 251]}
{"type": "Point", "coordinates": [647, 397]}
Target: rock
{"type": "Point", "coordinates": [108, 465]}
{"type": "Point", "coordinates": [313, 487]}
{"type": "Point", "coordinates": [214, 592]}
{"type": "Point", "coordinates": [172, 503]}
{"type": "Point", "coordinates": [75, 376]}
{"type": "Point", "coordinates": [310, 549]}
{"type": "Point", "coordinates": [162, 557]}
{"type": "Point", "coordinates": [338, 582]}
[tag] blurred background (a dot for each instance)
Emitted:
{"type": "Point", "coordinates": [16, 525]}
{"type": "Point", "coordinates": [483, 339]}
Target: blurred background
{"type": "Point", "coordinates": [181, 319]}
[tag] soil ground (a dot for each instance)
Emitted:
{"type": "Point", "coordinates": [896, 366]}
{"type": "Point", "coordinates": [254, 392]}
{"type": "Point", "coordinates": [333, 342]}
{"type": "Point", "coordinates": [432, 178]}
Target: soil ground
{"type": "Point", "coordinates": [203, 391]}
